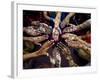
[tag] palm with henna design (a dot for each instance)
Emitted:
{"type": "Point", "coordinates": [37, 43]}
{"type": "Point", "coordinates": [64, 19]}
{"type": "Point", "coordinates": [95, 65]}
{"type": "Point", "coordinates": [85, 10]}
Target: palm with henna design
{"type": "Point", "coordinates": [72, 40]}
{"type": "Point", "coordinates": [70, 28]}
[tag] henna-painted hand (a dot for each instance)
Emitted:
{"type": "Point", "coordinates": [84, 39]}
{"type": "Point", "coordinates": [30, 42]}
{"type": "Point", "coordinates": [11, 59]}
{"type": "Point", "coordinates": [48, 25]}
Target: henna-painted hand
{"type": "Point", "coordinates": [67, 53]}
{"type": "Point", "coordinates": [35, 24]}
{"type": "Point", "coordinates": [55, 34]}
{"type": "Point", "coordinates": [44, 28]}
{"type": "Point", "coordinates": [75, 42]}
{"type": "Point", "coordinates": [45, 47]}
{"type": "Point", "coordinates": [72, 40]}
{"type": "Point", "coordinates": [42, 51]}
{"type": "Point", "coordinates": [31, 31]}
{"type": "Point", "coordinates": [70, 28]}
{"type": "Point", "coordinates": [63, 23]}
{"type": "Point", "coordinates": [36, 40]}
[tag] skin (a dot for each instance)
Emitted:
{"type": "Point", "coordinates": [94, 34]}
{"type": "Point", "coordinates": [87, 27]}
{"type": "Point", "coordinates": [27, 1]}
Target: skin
{"type": "Point", "coordinates": [57, 19]}
{"type": "Point", "coordinates": [70, 28]}
{"type": "Point", "coordinates": [37, 29]}
{"type": "Point", "coordinates": [64, 22]}
{"type": "Point", "coordinates": [67, 54]}
{"type": "Point", "coordinates": [83, 54]}
{"type": "Point", "coordinates": [36, 40]}
{"type": "Point", "coordinates": [85, 24]}
{"type": "Point", "coordinates": [81, 26]}
{"type": "Point", "coordinates": [67, 19]}
{"type": "Point", "coordinates": [46, 15]}
{"type": "Point", "coordinates": [31, 31]}
{"type": "Point", "coordinates": [55, 59]}
{"type": "Point", "coordinates": [42, 51]}
{"type": "Point", "coordinates": [72, 40]}
{"type": "Point", "coordinates": [76, 42]}
{"type": "Point", "coordinates": [35, 23]}
{"type": "Point", "coordinates": [56, 32]}
{"type": "Point", "coordinates": [86, 37]}
{"type": "Point", "coordinates": [56, 29]}
{"type": "Point", "coordinates": [45, 28]}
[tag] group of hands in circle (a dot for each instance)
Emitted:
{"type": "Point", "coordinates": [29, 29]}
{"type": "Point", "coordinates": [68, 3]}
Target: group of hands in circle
{"type": "Point", "coordinates": [72, 40]}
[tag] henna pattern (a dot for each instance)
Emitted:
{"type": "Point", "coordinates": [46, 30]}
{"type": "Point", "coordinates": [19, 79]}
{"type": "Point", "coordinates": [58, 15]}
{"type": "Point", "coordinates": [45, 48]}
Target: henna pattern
{"type": "Point", "coordinates": [61, 37]}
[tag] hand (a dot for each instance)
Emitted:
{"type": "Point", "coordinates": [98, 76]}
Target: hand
{"type": "Point", "coordinates": [63, 48]}
{"type": "Point", "coordinates": [55, 34]}
{"type": "Point", "coordinates": [67, 19]}
{"type": "Point", "coordinates": [72, 40]}
{"type": "Point", "coordinates": [63, 23]}
{"type": "Point", "coordinates": [44, 28]}
{"type": "Point", "coordinates": [31, 31]}
{"type": "Point", "coordinates": [55, 57]}
{"type": "Point", "coordinates": [36, 40]}
{"type": "Point", "coordinates": [41, 51]}
{"type": "Point", "coordinates": [45, 47]}
{"type": "Point", "coordinates": [75, 44]}
{"type": "Point", "coordinates": [67, 54]}
{"type": "Point", "coordinates": [70, 28]}
{"type": "Point", "coordinates": [70, 36]}
{"type": "Point", "coordinates": [35, 24]}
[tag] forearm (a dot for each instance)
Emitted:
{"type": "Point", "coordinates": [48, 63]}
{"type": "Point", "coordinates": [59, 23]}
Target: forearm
{"type": "Point", "coordinates": [36, 39]}
{"type": "Point", "coordinates": [85, 46]}
{"type": "Point", "coordinates": [86, 49]}
{"type": "Point", "coordinates": [57, 19]}
{"type": "Point", "coordinates": [83, 54]}
{"type": "Point", "coordinates": [30, 31]}
{"type": "Point", "coordinates": [42, 51]}
{"type": "Point", "coordinates": [70, 59]}
{"type": "Point", "coordinates": [68, 17]}
{"type": "Point", "coordinates": [31, 55]}
{"type": "Point", "coordinates": [85, 24]}
{"type": "Point", "coordinates": [84, 42]}
{"type": "Point", "coordinates": [46, 15]}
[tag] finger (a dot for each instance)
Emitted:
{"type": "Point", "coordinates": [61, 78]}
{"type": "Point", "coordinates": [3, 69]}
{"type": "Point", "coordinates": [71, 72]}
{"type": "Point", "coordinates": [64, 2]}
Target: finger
{"type": "Point", "coordinates": [65, 30]}
{"type": "Point", "coordinates": [64, 35]}
{"type": "Point", "coordinates": [47, 42]}
{"type": "Point", "coordinates": [50, 42]}
{"type": "Point", "coordinates": [67, 40]}
{"type": "Point", "coordinates": [49, 46]}
{"type": "Point", "coordinates": [45, 53]}
{"type": "Point", "coordinates": [60, 47]}
{"type": "Point", "coordinates": [38, 43]}
{"type": "Point", "coordinates": [74, 44]}
{"type": "Point", "coordinates": [46, 49]}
